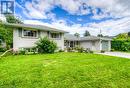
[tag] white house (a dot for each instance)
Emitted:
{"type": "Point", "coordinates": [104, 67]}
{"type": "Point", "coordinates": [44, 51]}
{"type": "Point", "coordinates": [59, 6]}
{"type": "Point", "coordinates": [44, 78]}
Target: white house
{"type": "Point", "coordinates": [25, 36]}
{"type": "Point", "coordinates": [91, 42]}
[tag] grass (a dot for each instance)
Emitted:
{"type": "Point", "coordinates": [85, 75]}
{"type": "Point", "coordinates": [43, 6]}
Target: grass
{"type": "Point", "coordinates": [1, 53]}
{"type": "Point", "coordinates": [64, 70]}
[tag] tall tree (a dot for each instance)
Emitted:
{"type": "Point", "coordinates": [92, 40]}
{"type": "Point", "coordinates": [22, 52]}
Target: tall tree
{"type": "Point", "coordinates": [100, 35]}
{"type": "Point", "coordinates": [77, 34]}
{"type": "Point", "coordinates": [86, 33]}
{"type": "Point", "coordinates": [6, 33]}
{"type": "Point", "coordinates": [13, 19]}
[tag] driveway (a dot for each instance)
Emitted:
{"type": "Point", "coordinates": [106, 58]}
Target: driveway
{"type": "Point", "coordinates": [118, 54]}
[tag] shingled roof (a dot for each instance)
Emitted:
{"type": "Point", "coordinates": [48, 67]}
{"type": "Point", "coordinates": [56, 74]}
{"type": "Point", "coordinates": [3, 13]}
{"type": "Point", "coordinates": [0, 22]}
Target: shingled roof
{"type": "Point", "coordinates": [71, 37]}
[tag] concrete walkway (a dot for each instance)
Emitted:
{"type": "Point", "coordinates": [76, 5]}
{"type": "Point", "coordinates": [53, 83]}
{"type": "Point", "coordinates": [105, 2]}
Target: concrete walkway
{"type": "Point", "coordinates": [118, 54]}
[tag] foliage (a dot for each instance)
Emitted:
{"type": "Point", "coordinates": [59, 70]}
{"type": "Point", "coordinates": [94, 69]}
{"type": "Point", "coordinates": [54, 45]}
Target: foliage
{"type": "Point", "coordinates": [102, 51]}
{"type": "Point", "coordinates": [122, 36]}
{"type": "Point", "coordinates": [61, 50]}
{"type": "Point", "coordinates": [64, 70]}
{"type": "Point", "coordinates": [86, 33]}
{"type": "Point", "coordinates": [80, 49]}
{"type": "Point", "coordinates": [121, 42]}
{"type": "Point", "coordinates": [22, 52]}
{"type": "Point", "coordinates": [44, 45]}
{"type": "Point", "coordinates": [2, 49]}
{"type": "Point", "coordinates": [69, 49]}
{"type": "Point", "coordinates": [121, 45]}
{"type": "Point", "coordinates": [128, 34]}
{"type": "Point", "coordinates": [77, 35]}
{"type": "Point", "coordinates": [6, 34]}
{"type": "Point", "coordinates": [13, 19]}
{"type": "Point", "coordinates": [100, 35]}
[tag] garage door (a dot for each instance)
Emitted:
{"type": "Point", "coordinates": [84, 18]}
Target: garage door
{"type": "Point", "coordinates": [105, 45]}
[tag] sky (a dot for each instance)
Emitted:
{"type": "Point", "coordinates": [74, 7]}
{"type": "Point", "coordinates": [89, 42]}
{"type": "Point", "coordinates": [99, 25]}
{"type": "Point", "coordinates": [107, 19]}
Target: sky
{"type": "Point", "coordinates": [110, 16]}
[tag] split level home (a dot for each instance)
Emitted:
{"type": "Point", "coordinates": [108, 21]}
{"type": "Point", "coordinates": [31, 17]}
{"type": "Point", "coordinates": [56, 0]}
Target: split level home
{"type": "Point", "coordinates": [26, 35]}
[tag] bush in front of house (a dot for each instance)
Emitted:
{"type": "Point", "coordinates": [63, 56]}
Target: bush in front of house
{"type": "Point", "coordinates": [121, 45]}
{"type": "Point", "coordinates": [2, 49]}
{"type": "Point", "coordinates": [80, 49]}
{"type": "Point", "coordinates": [102, 51]}
{"type": "Point", "coordinates": [45, 45]}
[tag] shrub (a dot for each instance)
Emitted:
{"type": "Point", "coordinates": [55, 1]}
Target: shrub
{"type": "Point", "coordinates": [61, 50]}
{"type": "Point", "coordinates": [69, 49]}
{"type": "Point", "coordinates": [2, 49]}
{"type": "Point", "coordinates": [91, 51]}
{"type": "Point", "coordinates": [121, 45]}
{"type": "Point", "coordinates": [22, 52]}
{"type": "Point", "coordinates": [112, 50]}
{"type": "Point", "coordinates": [102, 51]}
{"type": "Point", "coordinates": [44, 45]}
{"type": "Point", "coordinates": [80, 49]}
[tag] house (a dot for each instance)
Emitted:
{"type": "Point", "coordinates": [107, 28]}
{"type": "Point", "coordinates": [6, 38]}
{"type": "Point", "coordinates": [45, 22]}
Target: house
{"type": "Point", "coordinates": [26, 35]}
{"type": "Point", "coordinates": [91, 42]}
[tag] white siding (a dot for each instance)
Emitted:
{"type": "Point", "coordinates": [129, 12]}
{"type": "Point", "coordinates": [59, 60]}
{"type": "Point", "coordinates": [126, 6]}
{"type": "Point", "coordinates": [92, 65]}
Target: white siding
{"type": "Point", "coordinates": [21, 42]}
{"type": "Point", "coordinates": [60, 42]}
{"type": "Point", "coordinates": [92, 45]}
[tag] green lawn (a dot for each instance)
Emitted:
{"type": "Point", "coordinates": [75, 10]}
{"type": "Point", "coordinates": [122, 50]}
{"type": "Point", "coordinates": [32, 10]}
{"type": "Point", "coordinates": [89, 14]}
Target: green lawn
{"type": "Point", "coordinates": [64, 70]}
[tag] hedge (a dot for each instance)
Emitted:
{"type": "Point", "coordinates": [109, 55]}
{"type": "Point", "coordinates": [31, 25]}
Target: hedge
{"type": "Point", "coordinates": [121, 45]}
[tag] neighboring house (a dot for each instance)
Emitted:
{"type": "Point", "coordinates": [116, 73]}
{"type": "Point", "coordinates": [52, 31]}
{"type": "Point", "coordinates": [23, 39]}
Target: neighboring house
{"type": "Point", "coordinates": [91, 42]}
{"type": "Point", "coordinates": [25, 36]}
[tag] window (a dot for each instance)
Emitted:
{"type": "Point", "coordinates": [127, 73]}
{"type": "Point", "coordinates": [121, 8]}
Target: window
{"type": "Point", "coordinates": [29, 33]}
{"type": "Point", "coordinates": [55, 35]}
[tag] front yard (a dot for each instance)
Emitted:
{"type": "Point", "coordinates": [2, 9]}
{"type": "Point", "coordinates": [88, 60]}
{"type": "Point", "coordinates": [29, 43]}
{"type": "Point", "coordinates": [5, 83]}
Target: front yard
{"type": "Point", "coordinates": [64, 70]}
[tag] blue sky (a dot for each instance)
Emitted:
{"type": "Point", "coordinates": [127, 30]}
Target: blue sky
{"type": "Point", "coordinates": [111, 17]}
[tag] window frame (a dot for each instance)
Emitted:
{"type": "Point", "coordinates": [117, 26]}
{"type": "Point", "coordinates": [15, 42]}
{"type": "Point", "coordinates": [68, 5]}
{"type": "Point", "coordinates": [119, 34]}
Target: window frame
{"type": "Point", "coordinates": [23, 30]}
{"type": "Point", "coordinates": [59, 36]}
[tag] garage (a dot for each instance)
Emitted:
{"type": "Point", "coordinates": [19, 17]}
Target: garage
{"type": "Point", "coordinates": [105, 45]}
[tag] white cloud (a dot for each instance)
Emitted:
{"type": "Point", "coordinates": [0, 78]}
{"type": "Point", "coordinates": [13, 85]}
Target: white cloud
{"type": "Point", "coordinates": [111, 27]}
{"type": "Point", "coordinates": [116, 8]}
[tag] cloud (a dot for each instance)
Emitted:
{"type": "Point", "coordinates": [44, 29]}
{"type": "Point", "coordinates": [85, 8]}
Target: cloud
{"type": "Point", "coordinates": [41, 9]}
{"type": "Point", "coordinates": [110, 27]}
{"type": "Point", "coordinates": [116, 8]}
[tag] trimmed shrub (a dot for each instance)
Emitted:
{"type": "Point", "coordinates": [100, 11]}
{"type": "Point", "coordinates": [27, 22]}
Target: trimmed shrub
{"type": "Point", "coordinates": [22, 52]}
{"type": "Point", "coordinates": [102, 51]}
{"type": "Point", "coordinates": [45, 45]}
{"type": "Point", "coordinates": [80, 49]}
{"type": "Point", "coordinates": [2, 49]}
{"type": "Point", "coordinates": [121, 45]}
{"type": "Point", "coordinates": [61, 50]}
{"type": "Point", "coordinates": [91, 51]}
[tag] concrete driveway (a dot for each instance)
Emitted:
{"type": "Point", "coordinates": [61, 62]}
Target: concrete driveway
{"type": "Point", "coordinates": [118, 54]}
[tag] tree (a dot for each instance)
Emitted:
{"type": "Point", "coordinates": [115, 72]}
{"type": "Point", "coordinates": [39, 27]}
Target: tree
{"type": "Point", "coordinates": [86, 33]}
{"type": "Point", "coordinates": [13, 19]}
{"type": "Point", "coordinates": [6, 33]}
{"type": "Point", "coordinates": [77, 34]}
{"type": "Point", "coordinates": [100, 35]}
{"type": "Point", "coordinates": [128, 34]}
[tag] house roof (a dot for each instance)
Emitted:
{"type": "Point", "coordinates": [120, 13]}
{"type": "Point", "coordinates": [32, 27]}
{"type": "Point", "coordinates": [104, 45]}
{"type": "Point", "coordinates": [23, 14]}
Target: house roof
{"type": "Point", "coordinates": [70, 37]}
{"type": "Point", "coordinates": [38, 27]}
